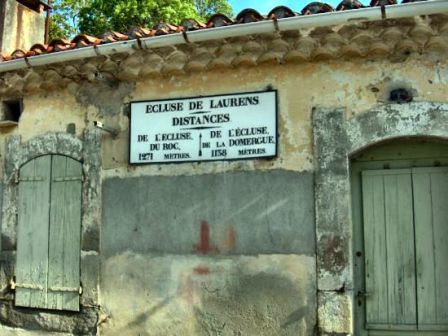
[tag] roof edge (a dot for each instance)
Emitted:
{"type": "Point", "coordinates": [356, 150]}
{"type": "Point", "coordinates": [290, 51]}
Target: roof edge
{"type": "Point", "coordinates": [261, 27]}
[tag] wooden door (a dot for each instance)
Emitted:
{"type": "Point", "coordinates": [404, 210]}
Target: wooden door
{"type": "Point", "coordinates": [405, 215]}
{"type": "Point", "coordinates": [49, 228]}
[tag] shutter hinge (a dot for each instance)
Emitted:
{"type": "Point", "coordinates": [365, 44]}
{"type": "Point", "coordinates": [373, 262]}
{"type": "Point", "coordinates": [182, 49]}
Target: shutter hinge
{"type": "Point", "coordinates": [16, 177]}
{"type": "Point", "coordinates": [15, 285]}
{"type": "Point", "coordinates": [31, 179]}
{"type": "Point", "coordinates": [68, 178]}
{"type": "Point", "coordinates": [66, 289]}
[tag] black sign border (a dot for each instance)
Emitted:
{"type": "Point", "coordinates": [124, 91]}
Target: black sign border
{"type": "Point", "coordinates": [267, 158]}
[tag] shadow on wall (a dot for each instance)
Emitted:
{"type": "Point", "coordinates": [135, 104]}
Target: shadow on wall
{"type": "Point", "coordinates": [257, 305]}
{"type": "Point", "coordinates": [207, 295]}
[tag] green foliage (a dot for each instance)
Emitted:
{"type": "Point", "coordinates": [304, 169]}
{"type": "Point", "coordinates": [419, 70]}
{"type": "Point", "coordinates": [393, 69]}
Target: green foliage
{"type": "Point", "coordinates": [64, 17]}
{"type": "Point", "coordinates": [206, 8]}
{"type": "Point", "coordinates": [95, 17]}
{"type": "Point", "coordinates": [121, 15]}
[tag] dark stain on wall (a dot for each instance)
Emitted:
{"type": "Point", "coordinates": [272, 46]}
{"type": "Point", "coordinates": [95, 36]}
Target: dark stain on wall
{"type": "Point", "coordinates": [334, 252]}
{"type": "Point", "coordinates": [98, 94]}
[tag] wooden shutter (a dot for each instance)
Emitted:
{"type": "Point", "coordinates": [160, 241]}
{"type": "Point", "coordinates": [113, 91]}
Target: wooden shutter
{"type": "Point", "coordinates": [49, 233]}
{"type": "Point", "coordinates": [65, 230]}
{"type": "Point", "coordinates": [389, 249]}
{"type": "Point", "coordinates": [431, 234]}
{"type": "Point", "coordinates": [32, 233]}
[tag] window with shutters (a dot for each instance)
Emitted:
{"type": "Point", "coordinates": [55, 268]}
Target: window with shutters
{"type": "Point", "coordinates": [49, 230]}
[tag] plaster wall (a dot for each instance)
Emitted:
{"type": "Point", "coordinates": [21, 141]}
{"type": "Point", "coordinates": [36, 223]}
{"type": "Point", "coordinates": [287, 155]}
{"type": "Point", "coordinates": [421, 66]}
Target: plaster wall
{"type": "Point", "coordinates": [225, 247]}
{"type": "Point", "coordinates": [22, 27]}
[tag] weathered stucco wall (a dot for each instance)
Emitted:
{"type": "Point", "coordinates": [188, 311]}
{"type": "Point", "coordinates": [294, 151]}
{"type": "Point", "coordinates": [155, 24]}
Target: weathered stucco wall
{"type": "Point", "coordinates": [225, 247]}
{"type": "Point", "coordinates": [23, 27]}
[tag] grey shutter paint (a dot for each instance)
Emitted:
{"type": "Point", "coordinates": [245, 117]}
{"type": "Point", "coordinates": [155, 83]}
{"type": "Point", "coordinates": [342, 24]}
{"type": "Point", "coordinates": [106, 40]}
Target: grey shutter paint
{"type": "Point", "coordinates": [32, 240]}
{"type": "Point", "coordinates": [389, 249]}
{"type": "Point", "coordinates": [405, 235]}
{"type": "Point", "coordinates": [431, 234]}
{"type": "Point", "coordinates": [58, 233]}
{"type": "Point", "coordinates": [65, 230]}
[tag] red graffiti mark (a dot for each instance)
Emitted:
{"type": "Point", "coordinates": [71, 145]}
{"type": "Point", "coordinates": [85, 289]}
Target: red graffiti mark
{"type": "Point", "coordinates": [230, 239]}
{"type": "Point", "coordinates": [202, 270]}
{"type": "Point", "coordinates": [204, 245]}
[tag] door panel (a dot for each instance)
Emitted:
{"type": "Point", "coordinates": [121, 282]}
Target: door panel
{"type": "Point", "coordinates": [431, 234]}
{"type": "Point", "coordinates": [389, 249]}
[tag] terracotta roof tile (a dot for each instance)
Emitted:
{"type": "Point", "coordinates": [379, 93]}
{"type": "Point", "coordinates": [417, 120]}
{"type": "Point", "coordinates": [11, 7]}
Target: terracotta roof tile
{"type": "Point", "coordinates": [192, 24]}
{"type": "Point", "coordinates": [39, 49]}
{"type": "Point", "coordinates": [375, 3]}
{"type": "Point", "coordinates": [18, 53]}
{"type": "Point", "coordinates": [140, 32]}
{"type": "Point", "coordinates": [281, 12]}
{"type": "Point", "coordinates": [217, 20]}
{"type": "Point", "coordinates": [248, 15]}
{"type": "Point", "coordinates": [60, 45]}
{"type": "Point", "coordinates": [112, 36]}
{"type": "Point", "coordinates": [317, 8]}
{"type": "Point", "coordinates": [166, 28]}
{"type": "Point", "coordinates": [349, 4]}
{"type": "Point", "coordinates": [83, 40]}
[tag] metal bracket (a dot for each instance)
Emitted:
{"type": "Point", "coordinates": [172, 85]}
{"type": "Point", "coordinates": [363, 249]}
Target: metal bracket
{"type": "Point", "coordinates": [16, 177]}
{"type": "Point", "coordinates": [101, 126]}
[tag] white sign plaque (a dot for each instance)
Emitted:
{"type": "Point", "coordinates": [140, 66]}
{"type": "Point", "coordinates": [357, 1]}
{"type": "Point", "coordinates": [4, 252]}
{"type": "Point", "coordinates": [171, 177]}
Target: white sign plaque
{"type": "Point", "coordinates": [225, 127]}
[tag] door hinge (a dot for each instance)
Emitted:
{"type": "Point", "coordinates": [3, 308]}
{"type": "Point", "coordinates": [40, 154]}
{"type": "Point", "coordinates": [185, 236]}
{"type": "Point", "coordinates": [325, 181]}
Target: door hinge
{"type": "Point", "coordinates": [363, 294]}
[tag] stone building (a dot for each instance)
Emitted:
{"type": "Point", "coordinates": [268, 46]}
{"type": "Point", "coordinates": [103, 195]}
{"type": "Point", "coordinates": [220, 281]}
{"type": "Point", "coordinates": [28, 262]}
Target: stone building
{"type": "Point", "coordinates": [22, 23]}
{"type": "Point", "coordinates": [329, 219]}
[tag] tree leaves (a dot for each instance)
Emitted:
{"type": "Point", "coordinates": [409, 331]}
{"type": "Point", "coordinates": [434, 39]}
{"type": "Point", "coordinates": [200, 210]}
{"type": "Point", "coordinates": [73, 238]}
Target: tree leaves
{"type": "Point", "coordinates": [94, 17]}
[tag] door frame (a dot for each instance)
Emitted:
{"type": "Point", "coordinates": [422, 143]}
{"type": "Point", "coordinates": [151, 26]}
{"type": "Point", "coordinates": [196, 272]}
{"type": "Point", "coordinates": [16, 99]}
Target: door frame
{"type": "Point", "coordinates": [396, 154]}
{"type": "Point", "coordinates": [337, 137]}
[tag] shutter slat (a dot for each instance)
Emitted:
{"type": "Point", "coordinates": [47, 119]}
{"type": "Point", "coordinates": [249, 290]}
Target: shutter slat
{"type": "Point", "coordinates": [65, 231]}
{"type": "Point", "coordinates": [400, 249]}
{"type": "Point", "coordinates": [32, 235]}
{"type": "Point", "coordinates": [375, 249]}
{"type": "Point", "coordinates": [431, 230]}
{"type": "Point", "coordinates": [389, 248]}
